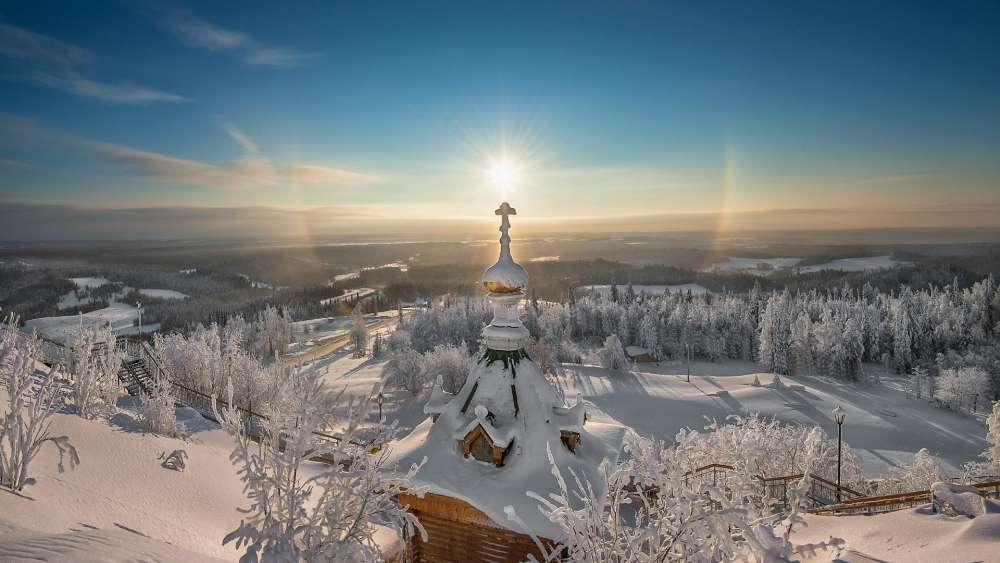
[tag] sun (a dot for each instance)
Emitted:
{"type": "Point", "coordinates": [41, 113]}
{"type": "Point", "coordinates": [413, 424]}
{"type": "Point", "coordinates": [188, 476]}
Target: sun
{"type": "Point", "coordinates": [502, 174]}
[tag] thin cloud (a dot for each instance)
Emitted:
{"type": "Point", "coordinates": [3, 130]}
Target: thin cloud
{"type": "Point", "coordinates": [56, 64]}
{"type": "Point", "coordinates": [26, 45]}
{"type": "Point", "coordinates": [17, 164]}
{"type": "Point", "coordinates": [122, 93]}
{"type": "Point", "coordinates": [901, 179]}
{"type": "Point", "coordinates": [196, 32]}
{"type": "Point", "coordinates": [316, 174]}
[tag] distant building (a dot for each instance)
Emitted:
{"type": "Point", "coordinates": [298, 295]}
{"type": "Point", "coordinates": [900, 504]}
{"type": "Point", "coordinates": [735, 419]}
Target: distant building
{"type": "Point", "coordinates": [638, 355]}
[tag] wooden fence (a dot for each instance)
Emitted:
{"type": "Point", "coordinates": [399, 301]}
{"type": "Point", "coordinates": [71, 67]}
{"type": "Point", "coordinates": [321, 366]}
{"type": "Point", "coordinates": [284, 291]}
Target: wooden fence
{"type": "Point", "coordinates": [899, 501]}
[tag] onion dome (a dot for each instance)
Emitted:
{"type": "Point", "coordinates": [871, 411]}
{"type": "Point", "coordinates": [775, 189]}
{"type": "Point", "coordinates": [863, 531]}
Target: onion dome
{"type": "Point", "coordinates": [506, 276]}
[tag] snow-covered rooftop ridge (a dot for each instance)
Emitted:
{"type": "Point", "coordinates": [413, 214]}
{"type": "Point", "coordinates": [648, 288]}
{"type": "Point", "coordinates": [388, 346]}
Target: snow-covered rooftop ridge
{"type": "Point", "coordinates": [571, 418]}
{"type": "Point", "coordinates": [439, 398]}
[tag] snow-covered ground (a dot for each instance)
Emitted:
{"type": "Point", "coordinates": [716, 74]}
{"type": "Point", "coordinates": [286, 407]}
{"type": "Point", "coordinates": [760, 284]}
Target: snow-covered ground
{"type": "Point", "coordinates": [605, 290]}
{"type": "Point", "coordinates": [89, 283]}
{"type": "Point", "coordinates": [755, 266]}
{"type": "Point", "coordinates": [855, 264]}
{"type": "Point", "coordinates": [61, 329]}
{"type": "Point", "coordinates": [163, 293]}
{"type": "Point", "coordinates": [119, 504]}
{"type": "Point", "coordinates": [912, 535]}
{"type": "Point", "coordinates": [883, 426]}
{"type": "Point", "coordinates": [72, 300]}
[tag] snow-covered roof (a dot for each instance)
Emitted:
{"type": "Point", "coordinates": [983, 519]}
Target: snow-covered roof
{"type": "Point", "coordinates": [571, 418]}
{"type": "Point", "coordinates": [439, 398]}
{"type": "Point", "coordinates": [537, 426]}
{"type": "Point", "coordinates": [500, 438]}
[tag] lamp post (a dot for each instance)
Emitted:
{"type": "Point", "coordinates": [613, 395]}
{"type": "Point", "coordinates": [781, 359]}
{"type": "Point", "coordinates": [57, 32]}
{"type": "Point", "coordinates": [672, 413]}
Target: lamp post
{"type": "Point", "coordinates": [687, 352]}
{"type": "Point", "coordinates": [839, 415]}
{"type": "Point", "coordinates": [380, 399]}
{"type": "Point", "coordinates": [138, 305]}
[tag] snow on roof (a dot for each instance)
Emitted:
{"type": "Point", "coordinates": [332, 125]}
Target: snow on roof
{"type": "Point", "coordinates": [571, 418]}
{"type": "Point", "coordinates": [500, 438]}
{"type": "Point", "coordinates": [536, 425]}
{"type": "Point", "coordinates": [439, 398]}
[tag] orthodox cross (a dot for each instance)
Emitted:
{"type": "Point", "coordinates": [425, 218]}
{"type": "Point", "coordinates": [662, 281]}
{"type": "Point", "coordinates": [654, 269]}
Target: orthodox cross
{"type": "Point", "coordinates": [505, 211]}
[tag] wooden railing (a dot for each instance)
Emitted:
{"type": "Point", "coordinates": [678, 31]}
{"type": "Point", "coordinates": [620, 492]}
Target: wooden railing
{"type": "Point", "coordinates": [898, 501]}
{"type": "Point", "coordinates": [254, 423]}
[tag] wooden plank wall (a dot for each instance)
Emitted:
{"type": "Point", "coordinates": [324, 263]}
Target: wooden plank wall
{"type": "Point", "coordinates": [459, 533]}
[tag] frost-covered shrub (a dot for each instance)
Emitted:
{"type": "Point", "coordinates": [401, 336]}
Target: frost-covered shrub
{"type": "Point", "coordinates": [207, 358]}
{"type": "Point", "coordinates": [399, 340]}
{"type": "Point", "coordinates": [541, 352]}
{"type": "Point", "coordinates": [569, 352]}
{"type": "Point", "coordinates": [924, 471]}
{"type": "Point", "coordinates": [452, 363]}
{"type": "Point", "coordinates": [93, 373]}
{"type": "Point", "coordinates": [772, 448]}
{"type": "Point", "coordinates": [330, 515]}
{"type": "Point", "coordinates": [654, 512]}
{"type": "Point", "coordinates": [157, 410]}
{"type": "Point", "coordinates": [31, 400]}
{"type": "Point", "coordinates": [612, 354]}
{"type": "Point", "coordinates": [406, 370]}
{"type": "Point", "coordinates": [359, 334]}
{"type": "Point", "coordinates": [966, 389]}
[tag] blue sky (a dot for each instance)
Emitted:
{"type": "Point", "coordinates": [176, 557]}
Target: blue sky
{"type": "Point", "coordinates": [379, 110]}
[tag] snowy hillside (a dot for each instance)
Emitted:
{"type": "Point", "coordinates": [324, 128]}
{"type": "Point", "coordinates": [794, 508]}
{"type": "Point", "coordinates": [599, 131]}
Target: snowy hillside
{"type": "Point", "coordinates": [884, 426]}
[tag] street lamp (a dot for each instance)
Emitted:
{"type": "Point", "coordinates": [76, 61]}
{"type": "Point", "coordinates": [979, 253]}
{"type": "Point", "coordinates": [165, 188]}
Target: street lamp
{"type": "Point", "coordinates": [138, 305]}
{"type": "Point", "coordinates": [380, 399]}
{"type": "Point", "coordinates": [839, 415]}
{"type": "Point", "coordinates": [687, 352]}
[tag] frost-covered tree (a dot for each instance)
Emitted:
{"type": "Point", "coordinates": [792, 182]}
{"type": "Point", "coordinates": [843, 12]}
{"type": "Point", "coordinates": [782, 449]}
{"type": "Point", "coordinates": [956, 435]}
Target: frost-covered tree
{"type": "Point", "coordinates": [963, 389]}
{"type": "Point", "coordinates": [992, 453]}
{"type": "Point", "coordinates": [359, 334]}
{"type": "Point", "coordinates": [654, 512]}
{"type": "Point", "coordinates": [406, 370]}
{"type": "Point", "coordinates": [451, 363]}
{"type": "Point", "coordinates": [854, 350]}
{"type": "Point", "coordinates": [649, 337]}
{"type": "Point", "coordinates": [612, 354]}
{"type": "Point", "coordinates": [157, 409]}
{"type": "Point", "coordinates": [32, 398]}
{"type": "Point", "coordinates": [924, 471]}
{"type": "Point", "coordinates": [916, 382]}
{"type": "Point", "coordinates": [299, 515]}
{"type": "Point", "coordinates": [93, 373]}
{"type": "Point", "coordinates": [802, 344]}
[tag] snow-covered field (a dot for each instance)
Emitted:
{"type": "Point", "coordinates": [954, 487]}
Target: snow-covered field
{"type": "Point", "coordinates": [855, 264]}
{"type": "Point", "coordinates": [72, 300]}
{"type": "Point", "coordinates": [89, 283]}
{"type": "Point", "coordinates": [61, 329]}
{"type": "Point", "coordinates": [755, 266]}
{"type": "Point", "coordinates": [163, 293]}
{"type": "Point", "coordinates": [605, 290]}
{"type": "Point", "coordinates": [882, 425]}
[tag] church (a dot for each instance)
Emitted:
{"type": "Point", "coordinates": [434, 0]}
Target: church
{"type": "Point", "coordinates": [496, 439]}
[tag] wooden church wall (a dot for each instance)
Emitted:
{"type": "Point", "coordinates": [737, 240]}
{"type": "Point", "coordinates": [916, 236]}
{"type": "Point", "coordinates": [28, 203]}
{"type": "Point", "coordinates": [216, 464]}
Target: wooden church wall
{"type": "Point", "coordinates": [459, 533]}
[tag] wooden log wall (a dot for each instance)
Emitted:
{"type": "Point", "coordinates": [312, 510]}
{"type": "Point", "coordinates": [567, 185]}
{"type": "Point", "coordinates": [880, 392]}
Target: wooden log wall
{"type": "Point", "coordinates": [459, 533]}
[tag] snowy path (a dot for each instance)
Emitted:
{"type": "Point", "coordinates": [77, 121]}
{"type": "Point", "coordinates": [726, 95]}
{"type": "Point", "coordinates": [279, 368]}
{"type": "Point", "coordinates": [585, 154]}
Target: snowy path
{"type": "Point", "coordinates": [883, 425]}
